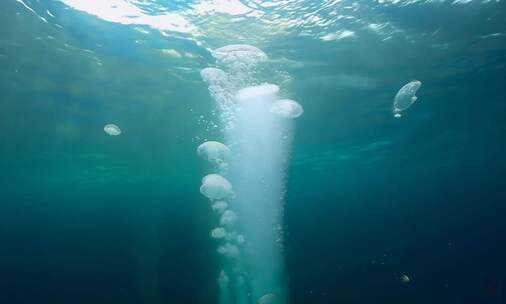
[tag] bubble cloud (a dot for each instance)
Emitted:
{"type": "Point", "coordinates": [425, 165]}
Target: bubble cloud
{"type": "Point", "coordinates": [238, 65]}
{"type": "Point", "coordinates": [257, 92]}
{"type": "Point", "coordinates": [251, 212]}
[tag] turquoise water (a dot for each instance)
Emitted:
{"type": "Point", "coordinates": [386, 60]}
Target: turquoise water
{"type": "Point", "coordinates": [91, 218]}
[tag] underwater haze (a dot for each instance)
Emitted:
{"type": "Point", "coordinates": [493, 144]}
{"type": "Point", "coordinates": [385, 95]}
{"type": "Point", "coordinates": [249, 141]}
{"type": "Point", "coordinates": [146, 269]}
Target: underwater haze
{"type": "Point", "coordinates": [252, 152]}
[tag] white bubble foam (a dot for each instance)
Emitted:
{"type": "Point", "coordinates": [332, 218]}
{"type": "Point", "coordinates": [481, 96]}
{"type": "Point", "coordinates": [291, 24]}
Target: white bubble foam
{"type": "Point", "coordinates": [287, 108]}
{"type": "Point", "coordinates": [266, 90]}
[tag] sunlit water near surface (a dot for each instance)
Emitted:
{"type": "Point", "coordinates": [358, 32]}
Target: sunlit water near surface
{"type": "Point", "coordinates": [103, 106]}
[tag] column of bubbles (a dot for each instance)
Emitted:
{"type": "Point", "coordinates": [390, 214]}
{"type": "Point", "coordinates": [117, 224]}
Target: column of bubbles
{"type": "Point", "coordinates": [257, 125]}
{"type": "Point", "coordinates": [219, 191]}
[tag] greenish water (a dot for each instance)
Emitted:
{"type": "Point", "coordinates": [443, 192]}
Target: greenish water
{"type": "Point", "coordinates": [91, 218]}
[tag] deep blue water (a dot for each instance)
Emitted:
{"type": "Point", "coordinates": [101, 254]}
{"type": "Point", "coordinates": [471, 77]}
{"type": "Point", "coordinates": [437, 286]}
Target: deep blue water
{"type": "Point", "coordinates": [88, 218]}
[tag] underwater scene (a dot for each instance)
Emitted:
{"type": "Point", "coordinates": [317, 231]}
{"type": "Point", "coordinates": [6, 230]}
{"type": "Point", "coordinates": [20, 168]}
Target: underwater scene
{"type": "Point", "coordinates": [252, 151]}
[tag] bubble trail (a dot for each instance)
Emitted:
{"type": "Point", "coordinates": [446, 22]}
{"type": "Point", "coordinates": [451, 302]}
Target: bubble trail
{"type": "Point", "coordinates": [257, 171]}
{"type": "Point", "coordinates": [259, 126]}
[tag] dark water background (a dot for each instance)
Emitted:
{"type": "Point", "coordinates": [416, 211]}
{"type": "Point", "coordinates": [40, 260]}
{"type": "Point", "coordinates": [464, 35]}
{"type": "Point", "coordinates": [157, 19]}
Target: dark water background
{"type": "Point", "coordinates": [88, 218]}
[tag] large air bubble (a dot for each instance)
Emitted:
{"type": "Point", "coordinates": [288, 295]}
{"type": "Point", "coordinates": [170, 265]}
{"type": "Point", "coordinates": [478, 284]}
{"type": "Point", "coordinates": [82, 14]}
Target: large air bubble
{"type": "Point", "coordinates": [228, 250]}
{"type": "Point", "coordinates": [269, 298]}
{"type": "Point", "coordinates": [214, 76]}
{"type": "Point", "coordinates": [287, 108]}
{"type": "Point", "coordinates": [219, 206]}
{"type": "Point", "coordinates": [223, 279]}
{"type": "Point", "coordinates": [112, 130]}
{"type": "Point", "coordinates": [215, 186]}
{"type": "Point", "coordinates": [218, 233]}
{"type": "Point", "coordinates": [228, 218]}
{"type": "Point", "coordinates": [240, 239]}
{"type": "Point", "coordinates": [223, 283]}
{"type": "Point", "coordinates": [239, 53]}
{"type": "Point", "coordinates": [406, 97]}
{"type": "Point", "coordinates": [213, 151]}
